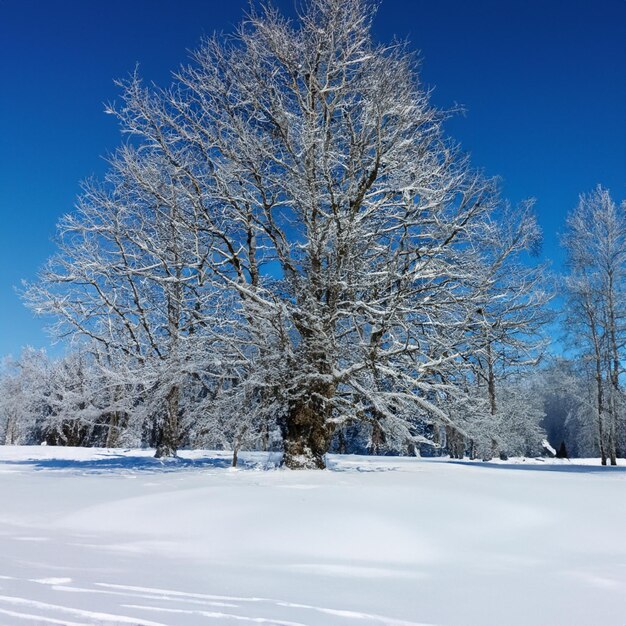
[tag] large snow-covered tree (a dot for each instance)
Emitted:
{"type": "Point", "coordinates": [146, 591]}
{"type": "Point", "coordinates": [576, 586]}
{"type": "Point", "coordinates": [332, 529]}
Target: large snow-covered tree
{"type": "Point", "coordinates": [290, 226]}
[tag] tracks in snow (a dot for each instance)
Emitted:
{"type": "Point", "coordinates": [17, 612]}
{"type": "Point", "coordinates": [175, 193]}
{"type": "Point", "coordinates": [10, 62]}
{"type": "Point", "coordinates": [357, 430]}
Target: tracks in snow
{"type": "Point", "coordinates": [61, 601]}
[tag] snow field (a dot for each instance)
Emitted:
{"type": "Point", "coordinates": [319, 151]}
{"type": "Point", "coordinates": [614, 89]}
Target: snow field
{"type": "Point", "coordinates": [115, 537]}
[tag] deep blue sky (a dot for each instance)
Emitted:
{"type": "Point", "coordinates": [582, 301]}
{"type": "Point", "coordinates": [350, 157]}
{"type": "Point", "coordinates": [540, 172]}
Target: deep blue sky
{"type": "Point", "coordinates": [543, 82]}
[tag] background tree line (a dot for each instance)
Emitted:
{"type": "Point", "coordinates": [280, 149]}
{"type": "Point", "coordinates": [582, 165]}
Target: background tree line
{"type": "Point", "coordinates": [289, 253]}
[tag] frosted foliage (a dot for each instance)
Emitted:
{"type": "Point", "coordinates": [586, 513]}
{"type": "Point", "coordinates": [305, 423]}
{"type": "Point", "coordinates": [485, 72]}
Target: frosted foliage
{"type": "Point", "coordinates": [595, 242]}
{"type": "Point", "coordinates": [288, 243]}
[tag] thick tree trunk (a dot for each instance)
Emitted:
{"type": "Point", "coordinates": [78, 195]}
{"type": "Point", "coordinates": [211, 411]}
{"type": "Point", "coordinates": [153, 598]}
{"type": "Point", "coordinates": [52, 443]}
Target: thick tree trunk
{"type": "Point", "coordinates": [167, 445]}
{"type": "Point", "coordinates": [307, 432]}
{"type": "Point", "coordinates": [306, 436]}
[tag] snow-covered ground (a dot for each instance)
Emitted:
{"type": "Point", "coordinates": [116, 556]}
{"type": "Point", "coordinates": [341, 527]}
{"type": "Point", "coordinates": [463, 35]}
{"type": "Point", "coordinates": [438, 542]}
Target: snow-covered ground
{"type": "Point", "coordinates": [112, 537]}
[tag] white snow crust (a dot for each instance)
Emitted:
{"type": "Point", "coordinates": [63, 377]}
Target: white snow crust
{"type": "Point", "coordinates": [112, 537]}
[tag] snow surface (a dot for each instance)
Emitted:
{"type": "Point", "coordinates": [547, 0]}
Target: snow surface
{"type": "Point", "coordinates": [116, 537]}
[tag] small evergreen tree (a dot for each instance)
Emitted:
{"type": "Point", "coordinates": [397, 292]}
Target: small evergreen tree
{"type": "Point", "coordinates": [562, 451]}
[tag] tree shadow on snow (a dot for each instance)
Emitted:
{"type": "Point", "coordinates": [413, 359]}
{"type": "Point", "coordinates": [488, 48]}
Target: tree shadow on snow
{"type": "Point", "coordinates": [121, 463]}
{"type": "Point", "coordinates": [566, 467]}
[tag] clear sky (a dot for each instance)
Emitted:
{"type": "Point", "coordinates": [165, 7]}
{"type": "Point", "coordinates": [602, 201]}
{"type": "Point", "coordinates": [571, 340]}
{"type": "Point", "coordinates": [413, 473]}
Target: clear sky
{"type": "Point", "coordinates": [543, 83]}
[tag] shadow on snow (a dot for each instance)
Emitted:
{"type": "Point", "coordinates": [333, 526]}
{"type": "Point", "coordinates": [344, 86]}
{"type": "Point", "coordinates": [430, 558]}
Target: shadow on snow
{"type": "Point", "coordinates": [126, 463]}
{"type": "Point", "coordinates": [120, 463]}
{"type": "Point", "coordinates": [570, 467]}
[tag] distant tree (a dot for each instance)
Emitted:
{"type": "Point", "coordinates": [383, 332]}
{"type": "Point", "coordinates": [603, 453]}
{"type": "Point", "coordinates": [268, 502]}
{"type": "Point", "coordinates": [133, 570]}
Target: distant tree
{"type": "Point", "coordinates": [505, 335]}
{"type": "Point", "coordinates": [595, 242]}
{"type": "Point", "coordinates": [23, 405]}
{"type": "Point", "coordinates": [130, 276]}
